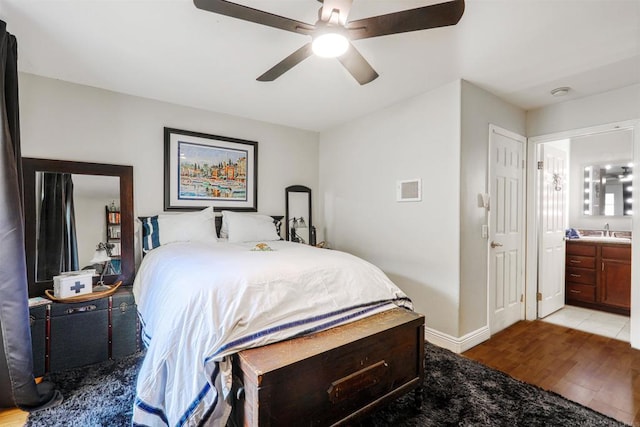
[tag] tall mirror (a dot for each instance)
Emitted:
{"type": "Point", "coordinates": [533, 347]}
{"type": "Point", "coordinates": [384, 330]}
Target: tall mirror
{"type": "Point", "coordinates": [608, 189]}
{"type": "Point", "coordinates": [298, 221]}
{"type": "Point", "coordinates": [70, 208]}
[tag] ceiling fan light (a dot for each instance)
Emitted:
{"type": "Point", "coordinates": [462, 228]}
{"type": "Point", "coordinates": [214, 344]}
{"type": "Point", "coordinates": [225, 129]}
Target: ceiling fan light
{"type": "Point", "coordinates": [330, 45]}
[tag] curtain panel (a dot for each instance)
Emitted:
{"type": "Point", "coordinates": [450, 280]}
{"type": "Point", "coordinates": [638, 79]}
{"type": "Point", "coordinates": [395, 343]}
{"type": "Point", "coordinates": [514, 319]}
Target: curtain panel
{"type": "Point", "coordinates": [17, 384]}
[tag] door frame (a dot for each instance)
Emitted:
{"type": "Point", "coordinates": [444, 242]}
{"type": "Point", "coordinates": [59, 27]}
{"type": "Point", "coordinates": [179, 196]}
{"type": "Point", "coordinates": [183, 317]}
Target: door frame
{"type": "Point", "coordinates": [533, 207]}
{"type": "Point", "coordinates": [524, 188]}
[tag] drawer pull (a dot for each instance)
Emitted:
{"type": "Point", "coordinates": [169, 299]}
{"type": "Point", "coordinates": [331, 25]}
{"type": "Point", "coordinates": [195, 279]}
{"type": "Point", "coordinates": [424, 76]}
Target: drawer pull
{"type": "Point", "coordinates": [573, 291]}
{"type": "Point", "coordinates": [575, 261]}
{"type": "Point", "coordinates": [352, 385]}
{"type": "Point", "coordinates": [575, 275]}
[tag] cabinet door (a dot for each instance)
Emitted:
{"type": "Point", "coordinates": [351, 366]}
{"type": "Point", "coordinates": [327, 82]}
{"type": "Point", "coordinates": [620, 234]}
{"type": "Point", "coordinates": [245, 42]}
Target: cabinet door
{"type": "Point", "coordinates": [616, 284]}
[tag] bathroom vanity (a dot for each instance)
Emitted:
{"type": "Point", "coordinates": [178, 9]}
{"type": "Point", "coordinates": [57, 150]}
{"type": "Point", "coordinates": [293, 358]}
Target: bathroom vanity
{"type": "Point", "coordinates": [598, 274]}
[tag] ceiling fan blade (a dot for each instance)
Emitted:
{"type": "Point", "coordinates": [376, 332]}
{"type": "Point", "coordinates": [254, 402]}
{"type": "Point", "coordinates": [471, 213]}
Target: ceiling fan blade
{"type": "Point", "coordinates": [359, 68]}
{"type": "Point", "coordinates": [328, 6]}
{"type": "Point", "coordinates": [287, 63]}
{"type": "Point", "coordinates": [422, 18]}
{"type": "Point", "coordinates": [246, 13]}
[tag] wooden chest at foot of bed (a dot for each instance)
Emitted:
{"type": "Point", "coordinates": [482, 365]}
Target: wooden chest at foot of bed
{"type": "Point", "coordinates": [330, 377]}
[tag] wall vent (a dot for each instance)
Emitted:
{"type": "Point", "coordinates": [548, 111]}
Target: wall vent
{"type": "Point", "coordinates": [409, 190]}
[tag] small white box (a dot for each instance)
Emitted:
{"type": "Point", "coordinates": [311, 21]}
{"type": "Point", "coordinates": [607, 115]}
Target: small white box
{"type": "Point", "coordinates": [73, 283]}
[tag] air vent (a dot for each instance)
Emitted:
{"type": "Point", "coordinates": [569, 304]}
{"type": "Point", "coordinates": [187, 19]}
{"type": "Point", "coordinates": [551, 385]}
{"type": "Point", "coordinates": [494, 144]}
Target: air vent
{"type": "Point", "coordinates": [409, 190]}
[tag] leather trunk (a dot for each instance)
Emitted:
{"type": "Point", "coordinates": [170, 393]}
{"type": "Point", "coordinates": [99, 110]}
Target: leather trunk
{"type": "Point", "coordinates": [331, 377]}
{"type": "Point", "coordinates": [66, 336]}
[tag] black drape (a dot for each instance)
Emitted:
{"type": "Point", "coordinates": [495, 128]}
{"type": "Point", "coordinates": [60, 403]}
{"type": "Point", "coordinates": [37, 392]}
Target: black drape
{"type": "Point", "coordinates": [57, 243]}
{"type": "Point", "coordinates": [17, 385]}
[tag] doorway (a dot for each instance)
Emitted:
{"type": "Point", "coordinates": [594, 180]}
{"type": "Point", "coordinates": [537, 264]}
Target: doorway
{"type": "Point", "coordinates": [540, 262]}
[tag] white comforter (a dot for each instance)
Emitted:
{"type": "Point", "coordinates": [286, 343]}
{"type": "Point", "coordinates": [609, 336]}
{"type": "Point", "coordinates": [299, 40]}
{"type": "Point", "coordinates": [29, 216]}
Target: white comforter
{"type": "Point", "coordinates": [199, 303]}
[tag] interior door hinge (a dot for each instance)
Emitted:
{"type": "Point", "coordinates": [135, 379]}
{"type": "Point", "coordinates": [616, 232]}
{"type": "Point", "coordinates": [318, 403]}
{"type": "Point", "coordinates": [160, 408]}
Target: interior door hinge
{"type": "Point", "coordinates": [521, 297]}
{"type": "Point", "coordinates": [540, 165]}
{"type": "Point", "coordinates": [539, 296]}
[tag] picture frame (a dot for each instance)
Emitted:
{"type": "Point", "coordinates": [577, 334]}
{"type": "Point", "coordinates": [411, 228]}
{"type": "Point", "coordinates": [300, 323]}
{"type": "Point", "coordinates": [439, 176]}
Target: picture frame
{"type": "Point", "coordinates": [202, 170]}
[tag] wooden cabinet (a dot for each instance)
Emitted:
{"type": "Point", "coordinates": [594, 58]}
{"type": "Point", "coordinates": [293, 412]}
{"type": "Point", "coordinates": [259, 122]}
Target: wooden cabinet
{"type": "Point", "coordinates": [598, 275]}
{"type": "Point", "coordinates": [615, 278]}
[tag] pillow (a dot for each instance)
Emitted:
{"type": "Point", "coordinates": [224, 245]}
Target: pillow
{"type": "Point", "coordinates": [192, 226]}
{"type": "Point", "coordinates": [224, 227]}
{"type": "Point", "coordinates": [242, 227]}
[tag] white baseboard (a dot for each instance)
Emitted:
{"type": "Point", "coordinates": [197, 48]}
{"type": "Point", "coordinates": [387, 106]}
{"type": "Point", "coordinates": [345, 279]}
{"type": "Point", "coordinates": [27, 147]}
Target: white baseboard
{"type": "Point", "coordinates": [457, 345]}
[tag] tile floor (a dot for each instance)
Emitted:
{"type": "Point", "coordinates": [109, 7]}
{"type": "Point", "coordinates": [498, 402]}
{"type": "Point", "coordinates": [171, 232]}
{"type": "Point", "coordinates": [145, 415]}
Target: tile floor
{"type": "Point", "coordinates": [593, 321]}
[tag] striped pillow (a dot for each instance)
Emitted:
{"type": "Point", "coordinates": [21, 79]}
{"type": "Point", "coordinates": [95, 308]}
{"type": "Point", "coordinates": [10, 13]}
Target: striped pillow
{"type": "Point", "coordinates": [187, 227]}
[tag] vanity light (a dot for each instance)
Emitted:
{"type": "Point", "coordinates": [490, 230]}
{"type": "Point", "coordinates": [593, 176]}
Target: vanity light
{"type": "Point", "coordinates": [629, 212]}
{"type": "Point", "coordinates": [607, 167]}
{"type": "Point", "coordinates": [629, 200]}
{"type": "Point", "coordinates": [587, 190]}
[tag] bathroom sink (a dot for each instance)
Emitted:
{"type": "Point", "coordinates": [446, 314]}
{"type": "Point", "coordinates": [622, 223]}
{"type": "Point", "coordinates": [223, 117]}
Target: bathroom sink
{"type": "Point", "coordinates": [606, 239]}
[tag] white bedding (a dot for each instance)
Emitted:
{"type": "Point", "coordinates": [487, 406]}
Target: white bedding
{"type": "Point", "coordinates": [199, 303]}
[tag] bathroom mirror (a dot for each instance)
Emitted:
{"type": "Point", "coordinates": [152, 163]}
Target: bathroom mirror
{"type": "Point", "coordinates": [298, 222]}
{"type": "Point", "coordinates": [78, 199]}
{"type": "Point", "coordinates": [608, 189]}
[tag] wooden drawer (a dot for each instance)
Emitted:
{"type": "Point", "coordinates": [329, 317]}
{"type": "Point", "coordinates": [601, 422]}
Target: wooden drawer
{"type": "Point", "coordinates": [581, 275]}
{"type": "Point", "coordinates": [583, 249]}
{"type": "Point", "coordinates": [580, 292]}
{"type": "Point", "coordinates": [333, 376]}
{"type": "Point", "coordinates": [621, 252]}
{"type": "Point", "coordinates": [581, 261]}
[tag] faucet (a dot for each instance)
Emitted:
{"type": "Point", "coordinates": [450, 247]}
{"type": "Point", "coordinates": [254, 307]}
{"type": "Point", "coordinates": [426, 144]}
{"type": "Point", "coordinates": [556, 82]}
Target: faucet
{"type": "Point", "coordinates": [607, 233]}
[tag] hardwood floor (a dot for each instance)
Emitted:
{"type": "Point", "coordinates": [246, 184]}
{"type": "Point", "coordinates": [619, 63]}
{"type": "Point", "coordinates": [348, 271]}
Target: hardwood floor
{"type": "Point", "coordinates": [12, 417]}
{"type": "Point", "coordinates": [595, 371]}
{"type": "Point", "coordinates": [598, 372]}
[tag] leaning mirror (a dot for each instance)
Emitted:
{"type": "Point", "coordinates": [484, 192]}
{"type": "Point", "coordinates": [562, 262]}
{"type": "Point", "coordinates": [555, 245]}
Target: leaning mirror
{"type": "Point", "coordinates": [70, 208]}
{"type": "Point", "coordinates": [608, 189]}
{"type": "Point", "coordinates": [299, 226]}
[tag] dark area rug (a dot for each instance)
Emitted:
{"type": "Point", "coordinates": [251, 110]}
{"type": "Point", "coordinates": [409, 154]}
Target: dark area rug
{"type": "Point", "coordinates": [457, 392]}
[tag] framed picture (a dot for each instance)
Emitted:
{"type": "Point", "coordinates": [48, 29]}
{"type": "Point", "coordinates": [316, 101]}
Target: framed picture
{"type": "Point", "coordinates": [202, 170]}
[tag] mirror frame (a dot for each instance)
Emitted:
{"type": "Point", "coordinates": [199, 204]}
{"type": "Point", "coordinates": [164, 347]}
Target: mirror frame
{"type": "Point", "coordinates": [30, 166]}
{"type": "Point", "coordinates": [296, 189]}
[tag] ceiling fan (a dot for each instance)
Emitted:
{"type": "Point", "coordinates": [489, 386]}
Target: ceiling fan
{"type": "Point", "coordinates": [332, 34]}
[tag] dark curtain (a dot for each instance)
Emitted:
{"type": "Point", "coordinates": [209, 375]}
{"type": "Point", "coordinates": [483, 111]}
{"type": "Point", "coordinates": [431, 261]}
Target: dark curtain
{"type": "Point", "coordinates": [17, 385]}
{"type": "Point", "coordinates": [57, 244]}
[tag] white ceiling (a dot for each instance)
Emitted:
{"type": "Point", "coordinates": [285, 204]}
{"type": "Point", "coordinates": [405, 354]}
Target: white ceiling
{"type": "Point", "coordinates": [170, 51]}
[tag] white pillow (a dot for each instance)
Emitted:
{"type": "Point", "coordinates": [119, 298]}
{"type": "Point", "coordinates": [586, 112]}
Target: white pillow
{"type": "Point", "coordinates": [224, 228]}
{"type": "Point", "coordinates": [242, 227]}
{"type": "Point", "coordinates": [192, 226]}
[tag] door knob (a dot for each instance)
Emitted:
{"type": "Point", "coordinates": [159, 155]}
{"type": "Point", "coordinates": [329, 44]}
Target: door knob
{"type": "Point", "coordinates": [495, 244]}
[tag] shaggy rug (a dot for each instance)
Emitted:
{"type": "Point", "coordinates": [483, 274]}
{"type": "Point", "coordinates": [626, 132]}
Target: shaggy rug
{"type": "Point", "coordinates": [457, 392]}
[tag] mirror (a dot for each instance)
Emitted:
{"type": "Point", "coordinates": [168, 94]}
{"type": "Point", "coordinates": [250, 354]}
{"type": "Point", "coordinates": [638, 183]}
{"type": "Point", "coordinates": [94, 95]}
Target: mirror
{"type": "Point", "coordinates": [92, 203]}
{"type": "Point", "coordinates": [608, 189]}
{"type": "Point", "coordinates": [298, 223]}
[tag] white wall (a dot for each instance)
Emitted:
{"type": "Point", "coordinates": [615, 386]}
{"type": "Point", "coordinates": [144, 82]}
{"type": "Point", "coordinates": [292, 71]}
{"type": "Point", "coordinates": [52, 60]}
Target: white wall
{"type": "Point", "coordinates": [415, 243]}
{"type": "Point", "coordinates": [61, 120]}
{"type": "Point", "coordinates": [479, 109]}
{"type": "Point", "coordinates": [599, 148]}
{"type": "Point", "coordinates": [608, 107]}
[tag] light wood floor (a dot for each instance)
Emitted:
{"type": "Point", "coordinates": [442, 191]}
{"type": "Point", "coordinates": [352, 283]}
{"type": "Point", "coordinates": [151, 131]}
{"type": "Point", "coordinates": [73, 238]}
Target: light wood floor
{"type": "Point", "coordinates": [598, 372]}
{"type": "Point", "coordinates": [595, 371]}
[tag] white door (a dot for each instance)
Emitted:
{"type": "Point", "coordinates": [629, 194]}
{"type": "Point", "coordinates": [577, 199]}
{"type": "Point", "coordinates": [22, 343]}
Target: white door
{"type": "Point", "coordinates": [551, 249]}
{"type": "Point", "coordinates": [506, 228]}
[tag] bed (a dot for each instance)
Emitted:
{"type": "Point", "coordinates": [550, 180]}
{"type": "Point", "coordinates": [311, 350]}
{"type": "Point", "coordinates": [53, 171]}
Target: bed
{"type": "Point", "coordinates": [207, 306]}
